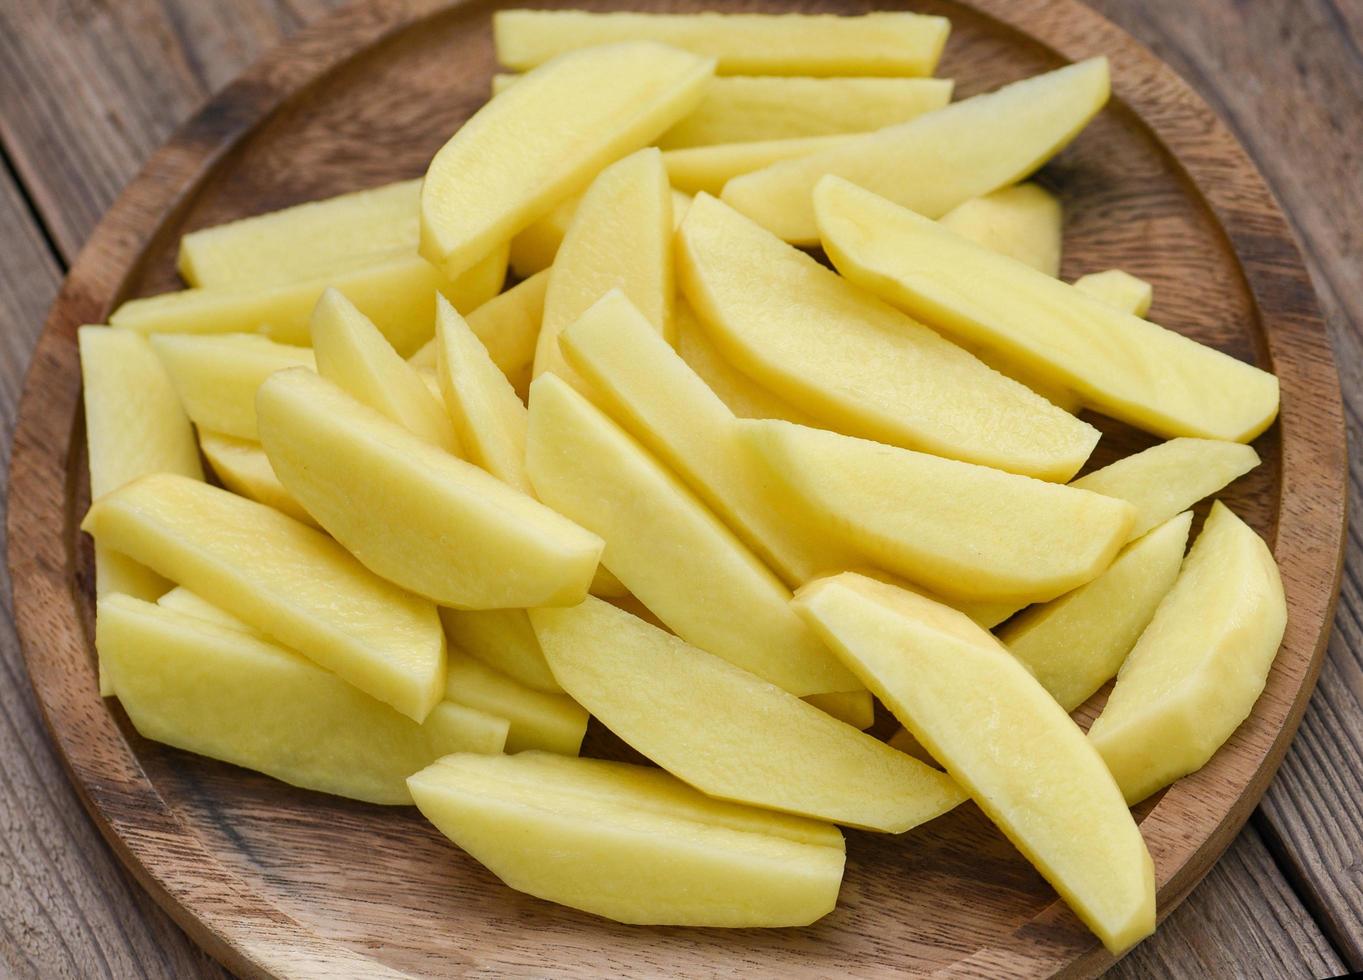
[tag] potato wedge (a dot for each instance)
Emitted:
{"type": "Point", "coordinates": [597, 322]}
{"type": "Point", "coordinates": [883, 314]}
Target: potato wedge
{"type": "Point", "coordinates": [853, 362]}
{"type": "Point", "coordinates": [397, 294]}
{"type": "Point", "coordinates": [938, 160]}
{"type": "Point", "coordinates": [432, 523]}
{"type": "Point", "coordinates": [1022, 221]}
{"type": "Point", "coordinates": [959, 529]}
{"type": "Point", "coordinates": [353, 355]}
{"type": "Point", "coordinates": [620, 238]}
{"type": "Point", "coordinates": [652, 393]}
{"type": "Point", "coordinates": [631, 843]}
{"type": "Point", "coordinates": [1075, 644]}
{"type": "Point", "coordinates": [217, 375]}
{"type": "Point", "coordinates": [217, 691]}
{"type": "Point", "coordinates": [504, 640]}
{"type": "Point", "coordinates": [856, 708]}
{"type": "Point", "coordinates": [306, 241]}
{"type": "Point", "coordinates": [552, 722]}
{"type": "Point", "coordinates": [284, 578]}
{"type": "Point", "coordinates": [668, 549]}
{"type": "Point", "coordinates": [1125, 367]}
{"type": "Point", "coordinates": [1119, 289]}
{"type": "Point", "coordinates": [641, 682]}
{"type": "Point", "coordinates": [1200, 665]}
{"type": "Point", "coordinates": [707, 169]}
{"type": "Point", "coordinates": [187, 603]}
{"type": "Point", "coordinates": [242, 467]}
{"type": "Point", "coordinates": [545, 139]}
{"type": "Point", "coordinates": [741, 44]}
{"type": "Point", "coordinates": [1001, 736]}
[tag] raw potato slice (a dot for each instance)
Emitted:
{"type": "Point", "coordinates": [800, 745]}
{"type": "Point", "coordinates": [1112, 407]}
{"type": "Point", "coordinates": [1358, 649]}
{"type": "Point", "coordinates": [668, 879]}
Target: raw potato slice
{"type": "Point", "coordinates": [217, 376]}
{"type": "Point", "coordinates": [620, 238]}
{"type": "Point", "coordinates": [507, 326]}
{"type": "Point", "coordinates": [853, 362]}
{"type": "Point", "coordinates": [1022, 221]}
{"type": "Point", "coordinates": [503, 639]}
{"type": "Point", "coordinates": [134, 425]}
{"type": "Point", "coordinates": [742, 44]}
{"type": "Point", "coordinates": [217, 691]}
{"type": "Point", "coordinates": [707, 169]}
{"type": "Point", "coordinates": [743, 396]}
{"type": "Point", "coordinates": [353, 355]}
{"type": "Point", "coordinates": [242, 467]}
{"type": "Point", "coordinates": [940, 159]}
{"type": "Point", "coordinates": [670, 551]}
{"type": "Point", "coordinates": [553, 722]}
{"type": "Point", "coordinates": [650, 391]}
{"type": "Point", "coordinates": [631, 843]}
{"type": "Point", "coordinates": [756, 744]}
{"type": "Point", "coordinates": [1075, 644]}
{"type": "Point", "coordinates": [284, 578]}
{"type": "Point", "coordinates": [318, 238]}
{"type": "Point", "coordinates": [544, 140]}
{"type": "Point", "coordinates": [1128, 368]}
{"type": "Point", "coordinates": [1001, 736]}
{"type": "Point", "coordinates": [397, 294]}
{"type": "Point", "coordinates": [418, 516]}
{"type": "Point", "coordinates": [745, 108]}
{"type": "Point", "coordinates": [1170, 477]}
{"type": "Point", "coordinates": [488, 416]}
{"type": "Point", "coordinates": [1119, 289]}
{"type": "Point", "coordinates": [1200, 665]}
{"type": "Point", "coordinates": [959, 529]}
{"type": "Point", "coordinates": [856, 708]}
{"type": "Point", "coordinates": [181, 600]}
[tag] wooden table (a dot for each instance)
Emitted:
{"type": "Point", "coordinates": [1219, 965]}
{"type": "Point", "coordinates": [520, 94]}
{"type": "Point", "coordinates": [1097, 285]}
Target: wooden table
{"type": "Point", "coordinates": [88, 88]}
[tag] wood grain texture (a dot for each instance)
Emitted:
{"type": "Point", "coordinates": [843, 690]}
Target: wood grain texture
{"type": "Point", "coordinates": [1098, 213]}
{"type": "Point", "coordinates": [1289, 79]}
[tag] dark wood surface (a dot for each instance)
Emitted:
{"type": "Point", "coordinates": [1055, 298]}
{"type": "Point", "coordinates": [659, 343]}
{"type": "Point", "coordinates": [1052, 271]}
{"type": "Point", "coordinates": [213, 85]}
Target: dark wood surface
{"type": "Point", "coordinates": [87, 90]}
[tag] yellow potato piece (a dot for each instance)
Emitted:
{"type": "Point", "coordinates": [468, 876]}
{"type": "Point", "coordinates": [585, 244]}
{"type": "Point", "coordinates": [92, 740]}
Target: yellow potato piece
{"type": "Point", "coordinates": [1075, 644]}
{"type": "Point", "coordinates": [1128, 368]}
{"type": "Point", "coordinates": [670, 551]}
{"type": "Point", "coordinates": [552, 722]}
{"type": "Point", "coordinates": [631, 843]}
{"type": "Point", "coordinates": [650, 391]}
{"type": "Point", "coordinates": [217, 375]}
{"type": "Point", "coordinates": [1170, 477]}
{"type": "Point", "coordinates": [429, 521]}
{"type": "Point", "coordinates": [134, 425]}
{"type": "Point", "coordinates": [856, 708]}
{"type": "Point", "coordinates": [353, 355]}
{"type": "Point", "coordinates": [502, 639]}
{"type": "Point", "coordinates": [545, 139]}
{"type": "Point", "coordinates": [488, 416]}
{"type": "Point", "coordinates": [751, 44]}
{"type": "Point", "coordinates": [1119, 289]}
{"type": "Point", "coordinates": [242, 467]}
{"type": "Point", "coordinates": [217, 691]}
{"type": "Point", "coordinates": [746, 108]}
{"type": "Point", "coordinates": [938, 160]}
{"type": "Point", "coordinates": [743, 396]}
{"type": "Point", "coordinates": [1023, 221]}
{"type": "Point", "coordinates": [293, 583]}
{"type": "Point", "coordinates": [317, 238]}
{"type": "Point", "coordinates": [707, 169]}
{"type": "Point", "coordinates": [1001, 736]}
{"type": "Point", "coordinates": [620, 238]}
{"type": "Point", "coordinates": [959, 529]}
{"type": "Point", "coordinates": [187, 603]}
{"type": "Point", "coordinates": [398, 294]}
{"type": "Point", "coordinates": [1200, 665]}
{"type": "Point", "coordinates": [754, 744]}
{"type": "Point", "coordinates": [857, 364]}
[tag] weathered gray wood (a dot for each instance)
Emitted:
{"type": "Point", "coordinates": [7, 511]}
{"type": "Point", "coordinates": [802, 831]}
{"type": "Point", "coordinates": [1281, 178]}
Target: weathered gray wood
{"type": "Point", "coordinates": [1288, 76]}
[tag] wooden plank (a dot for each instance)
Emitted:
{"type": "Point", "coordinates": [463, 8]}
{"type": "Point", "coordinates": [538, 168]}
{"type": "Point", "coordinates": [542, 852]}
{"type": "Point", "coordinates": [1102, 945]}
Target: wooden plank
{"type": "Point", "coordinates": [1288, 76]}
{"type": "Point", "coordinates": [69, 908]}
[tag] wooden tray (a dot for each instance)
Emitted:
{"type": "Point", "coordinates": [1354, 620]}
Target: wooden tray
{"type": "Point", "coordinates": [280, 882]}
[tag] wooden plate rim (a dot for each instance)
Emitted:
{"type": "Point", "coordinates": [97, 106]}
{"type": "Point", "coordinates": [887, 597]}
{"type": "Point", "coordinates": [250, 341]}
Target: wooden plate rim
{"type": "Point", "coordinates": [212, 902]}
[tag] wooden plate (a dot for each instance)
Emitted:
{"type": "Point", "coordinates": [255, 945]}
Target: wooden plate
{"type": "Point", "coordinates": [280, 882]}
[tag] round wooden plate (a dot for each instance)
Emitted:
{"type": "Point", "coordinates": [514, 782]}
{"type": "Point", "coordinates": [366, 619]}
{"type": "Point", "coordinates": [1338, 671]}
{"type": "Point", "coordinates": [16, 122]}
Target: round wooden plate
{"type": "Point", "coordinates": [280, 882]}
